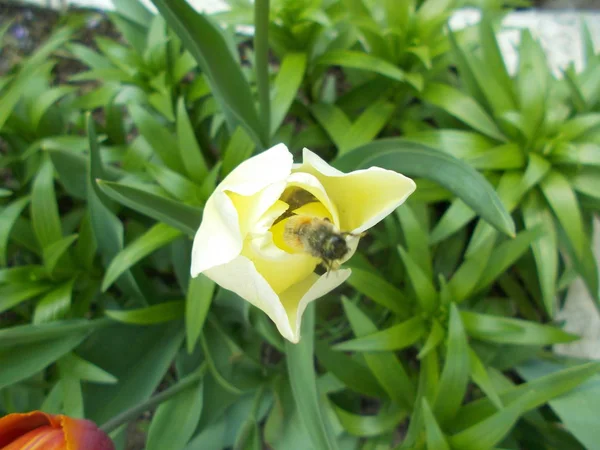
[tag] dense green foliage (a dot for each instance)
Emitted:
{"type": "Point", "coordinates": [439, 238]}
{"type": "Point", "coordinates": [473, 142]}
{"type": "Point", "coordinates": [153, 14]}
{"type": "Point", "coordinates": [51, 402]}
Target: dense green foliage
{"type": "Point", "coordinates": [441, 339]}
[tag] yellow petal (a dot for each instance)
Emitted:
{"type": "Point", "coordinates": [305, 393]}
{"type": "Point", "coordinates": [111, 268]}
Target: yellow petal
{"type": "Point", "coordinates": [310, 183]}
{"type": "Point", "coordinates": [240, 276]}
{"type": "Point", "coordinates": [279, 268]}
{"type": "Point", "coordinates": [297, 297]}
{"type": "Point", "coordinates": [363, 197]}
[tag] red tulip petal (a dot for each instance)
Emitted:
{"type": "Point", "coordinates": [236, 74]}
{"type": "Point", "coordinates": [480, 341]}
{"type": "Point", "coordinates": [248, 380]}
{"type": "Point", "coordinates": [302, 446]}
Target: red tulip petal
{"type": "Point", "coordinates": [14, 426]}
{"type": "Point", "coordinates": [42, 438]}
{"type": "Point", "coordinates": [84, 435]}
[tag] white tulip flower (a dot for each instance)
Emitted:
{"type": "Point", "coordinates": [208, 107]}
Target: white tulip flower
{"type": "Point", "coordinates": [241, 242]}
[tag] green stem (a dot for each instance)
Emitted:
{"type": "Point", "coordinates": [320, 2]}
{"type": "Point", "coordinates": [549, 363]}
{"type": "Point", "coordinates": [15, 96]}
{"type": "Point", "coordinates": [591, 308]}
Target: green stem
{"type": "Point", "coordinates": [136, 411]}
{"type": "Point", "coordinates": [261, 63]}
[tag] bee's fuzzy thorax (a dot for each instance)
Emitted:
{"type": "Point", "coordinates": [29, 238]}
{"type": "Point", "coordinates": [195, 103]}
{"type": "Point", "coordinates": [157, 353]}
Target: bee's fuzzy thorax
{"type": "Point", "coordinates": [318, 237]}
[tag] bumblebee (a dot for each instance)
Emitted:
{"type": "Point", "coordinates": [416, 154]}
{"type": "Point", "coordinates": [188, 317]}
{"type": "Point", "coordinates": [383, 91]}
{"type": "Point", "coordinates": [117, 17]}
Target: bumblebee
{"type": "Point", "coordinates": [318, 237]}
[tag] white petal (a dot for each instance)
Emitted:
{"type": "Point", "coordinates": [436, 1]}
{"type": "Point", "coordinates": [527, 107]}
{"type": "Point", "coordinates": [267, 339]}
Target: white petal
{"type": "Point", "coordinates": [218, 240]}
{"type": "Point", "coordinates": [363, 197]}
{"type": "Point", "coordinates": [296, 298]}
{"type": "Point", "coordinates": [258, 172]}
{"type": "Point", "coordinates": [239, 200]}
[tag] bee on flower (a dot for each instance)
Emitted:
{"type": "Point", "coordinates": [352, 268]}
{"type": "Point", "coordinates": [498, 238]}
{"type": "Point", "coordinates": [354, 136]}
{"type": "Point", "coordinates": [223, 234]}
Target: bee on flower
{"type": "Point", "coordinates": [270, 223]}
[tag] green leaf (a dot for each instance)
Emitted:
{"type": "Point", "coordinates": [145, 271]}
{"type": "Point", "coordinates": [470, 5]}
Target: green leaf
{"type": "Point", "coordinates": [433, 433]}
{"type": "Point", "coordinates": [545, 251]}
{"type": "Point", "coordinates": [54, 252]}
{"type": "Point", "coordinates": [493, 429]}
{"type": "Point", "coordinates": [285, 87]}
{"type": "Point", "coordinates": [587, 181]}
{"type": "Point", "coordinates": [133, 10]}
{"type": "Point", "coordinates": [88, 56]}
{"type": "Point", "coordinates": [395, 337]}
{"type": "Point", "coordinates": [333, 120]}
{"type": "Point", "coordinates": [70, 165]}
{"type": "Point", "coordinates": [302, 377]}
{"type": "Point", "coordinates": [239, 148]}
{"type": "Point", "coordinates": [207, 44]}
{"type": "Point", "coordinates": [349, 371]}
{"type": "Point", "coordinates": [55, 305]}
{"type": "Point", "coordinates": [31, 334]}
{"type": "Point", "coordinates": [386, 368]}
{"type": "Point", "coordinates": [543, 388]}
{"type": "Point", "coordinates": [492, 56]}
{"type": "Point", "coordinates": [156, 237]}
{"type": "Point", "coordinates": [379, 290]}
{"type": "Point", "coordinates": [86, 371]}
{"type": "Point", "coordinates": [363, 61]}
{"type": "Point", "coordinates": [197, 303]}
{"type": "Point", "coordinates": [138, 357]}
{"type": "Point", "coordinates": [578, 408]}
{"type": "Point", "coordinates": [416, 238]}
{"type": "Point", "coordinates": [44, 210]}
{"type": "Point", "coordinates": [421, 284]}
{"type": "Point", "coordinates": [506, 330]}
{"type": "Point", "coordinates": [428, 381]}
{"type": "Point", "coordinates": [178, 215]}
{"type": "Point", "coordinates": [466, 68]}
{"type": "Point", "coordinates": [458, 143]}
{"type": "Point", "coordinates": [419, 161]}
{"type": "Point", "coordinates": [481, 378]}
{"type": "Point", "coordinates": [22, 274]}
{"type": "Point", "coordinates": [465, 279]}
{"type": "Point", "coordinates": [579, 126]}
{"type": "Point", "coordinates": [462, 107]}
{"type": "Point", "coordinates": [163, 312]}
{"type": "Point", "coordinates": [578, 154]}
{"type": "Point", "coordinates": [532, 83]}
{"type": "Point", "coordinates": [107, 228]}
{"type": "Point", "coordinates": [368, 125]}
{"type": "Point", "coordinates": [505, 255]}
{"type": "Point", "coordinates": [369, 426]}
{"type": "Point", "coordinates": [175, 420]}
{"type": "Point", "coordinates": [436, 335]}
{"type": "Point", "coordinates": [13, 294]}
{"type": "Point", "coordinates": [45, 101]}
{"type": "Point", "coordinates": [455, 374]}
{"type": "Point", "coordinates": [39, 355]}
{"type": "Point", "coordinates": [157, 135]}
{"type": "Point", "coordinates": [189, 149]}
{"type": "Point", "coordinates": [10, 96]}
{"type": "Point", "coordinates": [563, 201]}
{"type": "Point", "coordinates": [175, 184]}
{"type": "Point", "coordinates": [502, 157]}
{"type": "Point", "coordinates": [8, 217]}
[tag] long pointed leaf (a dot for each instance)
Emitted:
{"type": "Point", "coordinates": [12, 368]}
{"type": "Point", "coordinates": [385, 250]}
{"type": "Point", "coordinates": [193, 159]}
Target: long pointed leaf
{"type": "Point", "coordinates": [206, 42]}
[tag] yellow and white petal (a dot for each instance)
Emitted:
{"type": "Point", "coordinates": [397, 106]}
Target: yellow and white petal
{"type": "Point", "coordinates": [279, 268]}
{"type": "Point", "coordinates": [240, 276]}
{"type": "Point", "coordinates": [312, 184]}
{"type": "Point", "coordinates": [239, 200]}
{"type": "Point", "coordinates": [256, 173]}
{"type": "Point", "coordinates": [297, 297]}
{"type": "Point", "coordinates": [363, 197]}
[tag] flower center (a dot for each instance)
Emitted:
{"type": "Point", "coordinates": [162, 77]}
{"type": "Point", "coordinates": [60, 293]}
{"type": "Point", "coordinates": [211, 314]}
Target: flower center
{"type": "Point", "coordinates": [301, 203]}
